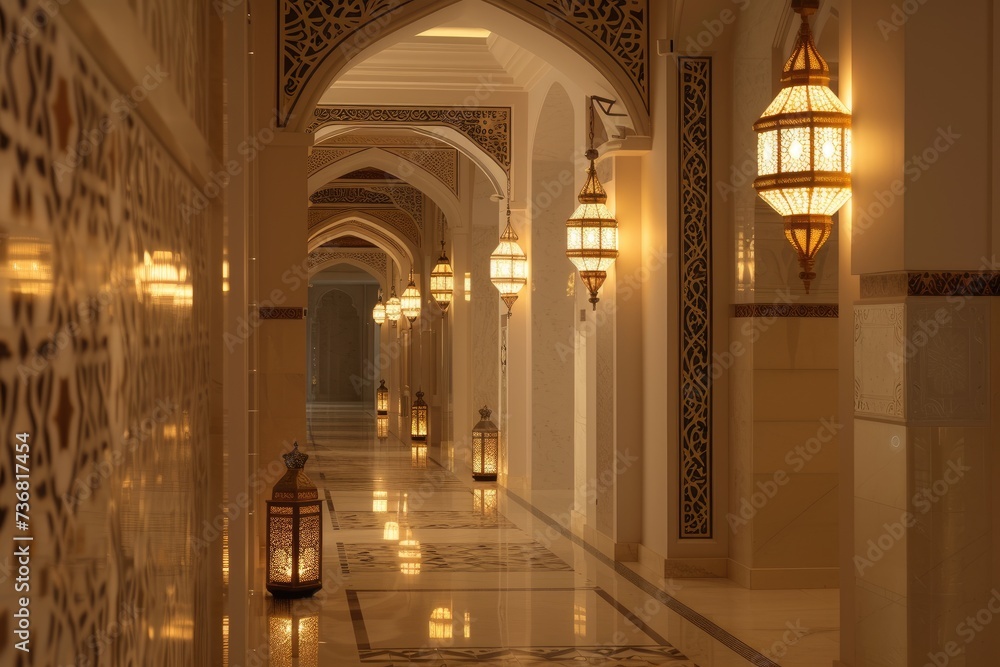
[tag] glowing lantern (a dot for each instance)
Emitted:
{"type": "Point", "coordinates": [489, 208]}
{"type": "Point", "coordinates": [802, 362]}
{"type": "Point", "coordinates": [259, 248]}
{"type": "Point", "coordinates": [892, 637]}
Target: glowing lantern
{"type": "Point", "coordinates": [294, 532]}
{"type": "Point", "coordinates": [378, 312]}
{"type": "Point", "coordinates": [485, 448]}
{"type": "Point", "coordinates": [508, 263]}
{"type": "Point", "coordinates": [443, 281]}
{"type": "Point", "coordinates": [410, 301]}
{"type": "Point", "coordinates": [418, 418]}
{"type": "Point", "coordinates": [804, 149]}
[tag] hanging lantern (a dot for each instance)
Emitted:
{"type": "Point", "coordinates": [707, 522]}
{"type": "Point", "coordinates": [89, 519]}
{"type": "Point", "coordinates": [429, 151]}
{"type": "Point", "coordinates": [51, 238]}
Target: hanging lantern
{"type": "Point", "coordinates": [804, 149]}
{"type": "Point", "coordinates": [508, 263]}
{"type": "Point", "coordinates": [293, 638]}
{"type": "Point", "coordinates": [443, 281]}
{"type": "Point", "coordinates": [378, 312]}
{"type": "Point", "coordinates": [592, 230]}
{"type": "Point", "coordinates": [294, 532]}
{"type": "Point", "coordinates": [393, 308]}
{"type": "Point", "coordinates": [410, 301]}
{"type": "Point", "coordinates": [485, 448]}
{"type": "Point", "coordinates": [418, 418]}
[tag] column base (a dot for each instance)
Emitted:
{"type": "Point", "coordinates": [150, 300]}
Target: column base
{"type": "Point", "coordinates": [682, 568]}
{"type": "Point", "coordinates": [783, 578]}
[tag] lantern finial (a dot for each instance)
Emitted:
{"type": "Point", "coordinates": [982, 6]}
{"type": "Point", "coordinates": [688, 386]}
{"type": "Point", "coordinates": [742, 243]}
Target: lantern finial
{"type": "Point", "coordinates": [295, 460]}
{"type": "Point", "coordinates": [485, 413]}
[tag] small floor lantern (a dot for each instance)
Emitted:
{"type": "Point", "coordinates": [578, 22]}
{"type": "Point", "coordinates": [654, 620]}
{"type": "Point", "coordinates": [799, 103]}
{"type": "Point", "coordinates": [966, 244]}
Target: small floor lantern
{"type": "Point", "coordinates": [485, 448]}
{"type": "Point", "coordinates": [418, 418]}
{"type": "Point", "coordinates": [382, 410]}
{"type": "Point", "coordinates": [294, 532]}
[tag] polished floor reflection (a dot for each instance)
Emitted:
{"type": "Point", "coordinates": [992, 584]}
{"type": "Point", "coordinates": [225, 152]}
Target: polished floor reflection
{"type": "Point", "coordinates": [424, 568]}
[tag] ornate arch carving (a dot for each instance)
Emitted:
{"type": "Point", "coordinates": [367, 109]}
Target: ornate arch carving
{"type": "Point", "coordinates": [486, 127]}
{"type": "Point", "coordinates": [312, 31]}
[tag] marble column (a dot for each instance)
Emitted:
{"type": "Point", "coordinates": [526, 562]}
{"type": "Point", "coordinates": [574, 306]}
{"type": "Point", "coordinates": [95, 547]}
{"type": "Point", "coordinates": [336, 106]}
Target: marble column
{"type": "Point", "coordinates": [926, 558]}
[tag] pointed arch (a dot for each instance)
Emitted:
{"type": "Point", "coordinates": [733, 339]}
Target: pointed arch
{"type": "Point", "coordinates": [615, 59]}
{"type": "Point", "coordinates": [409, 172]}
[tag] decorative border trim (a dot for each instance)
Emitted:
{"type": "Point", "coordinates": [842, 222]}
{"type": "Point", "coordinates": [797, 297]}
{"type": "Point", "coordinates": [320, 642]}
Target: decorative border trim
{"type": "Point", "coordinates": [937, 283]}
{"type": "Point", "coordinates": [270, 313]}
{"type": "Point", "coordinates": [695, 140]}
{"type": "Point", "coordinates": [830, 310]}
{"type": "Point", "coordinates": [487, 127]}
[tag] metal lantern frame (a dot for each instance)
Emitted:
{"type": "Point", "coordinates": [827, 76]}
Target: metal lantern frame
{"type": "Point", "coordinates": [294, 525]}
{"type": "Point", "coordinates": [508, 263]}
{"type": "Point", "coordinates": [592, 230]}
{"type": "Point", "coordinates": [418, 418]}
{"type": "Point", "coordinates": [378, 312]}
{"type": "Point", "coordinates": [382, 411]}
{"type": "Point", "coordinates": [410, 301]}
{"type": "Point", "coordinates": [443, 281]}
{"type": "Point", "coordinates": [485, 448]}
{"type": "Point", "coordinates": [804, 149]}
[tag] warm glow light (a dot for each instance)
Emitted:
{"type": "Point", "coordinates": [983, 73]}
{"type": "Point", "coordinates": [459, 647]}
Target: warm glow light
{"type": "Point", "coordinates": [378, 312]}
{"type": "Point", "coordinates": [468, 286]}
{"type": "Point", "coordinates": [579, 620]}
{"type": "Point", "coordinates": [467, 626]}
{"type": "Point", "coordinates": [466, 33]}
{"type": "Point", "coordinates": [440, 626]}
{"type": "Point", "coordinates": [294, 532]}
{"type": "Point", "coordinates": [380, 501]}
{"type": "Point", "coordinates": [484, 501]}
{"type": "Point", "coordinates": [509, 267]}
{"type": "Point", "coordinates": [225, 275]}
{"type": "Point", "coordinates": [418, 456]}
{"type": "Point", "coordinates": [382, 427]}
{"type": "Point", "coordinates": [391, 531]}
{"type": "Point", "coordinates": [29, 265]}
{"type": "Point", "coordinates": [409, 556]}
{"type": "Point", "coordinates": [804, 151]}
{"type": "Point", "coordinates": [592, 234]}
{"type": "Point", "coordinates": [393, 308]}
{"type": "Point", "coordinates": [382, 398]}
{"type": "Point", "coordinates": [164, 278]}
{"type": "Point", "coordinates": [410, 301]}
{"type": "Point", "coordinates": [418, 418]}
{"type": "Point", "coordinates": [443, 281]}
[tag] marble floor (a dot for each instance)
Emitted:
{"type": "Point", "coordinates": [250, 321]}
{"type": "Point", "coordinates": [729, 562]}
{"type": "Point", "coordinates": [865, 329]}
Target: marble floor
{"type": "Point", "coordinates": [424, 567]}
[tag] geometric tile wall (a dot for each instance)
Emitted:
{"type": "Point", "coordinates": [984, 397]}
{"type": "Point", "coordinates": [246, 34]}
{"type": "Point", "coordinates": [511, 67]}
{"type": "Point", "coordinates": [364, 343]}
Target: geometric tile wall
{"type": "Point", "coordinates": [104, 361]}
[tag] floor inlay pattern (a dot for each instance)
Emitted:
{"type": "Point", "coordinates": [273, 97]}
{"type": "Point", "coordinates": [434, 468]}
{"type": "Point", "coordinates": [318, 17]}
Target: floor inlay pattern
{"type": "Point", "coordinates": [602, 656]}
{"type": "Point", "coordinates": [431, 570]}
{"type": "Point", "coordinates": [457, 557]}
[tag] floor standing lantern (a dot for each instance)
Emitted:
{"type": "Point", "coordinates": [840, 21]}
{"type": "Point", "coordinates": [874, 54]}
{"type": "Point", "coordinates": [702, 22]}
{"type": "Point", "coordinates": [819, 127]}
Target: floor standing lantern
{"type": "Point", "coordinates": [485, 448]}
{"type": "Point", "coordinates": [382, 411]}
{"type": "Point", "coordinates": [804, 149]}
{"type": "Point", "coordinates": [294, 532]}
{"type": "Point", "coordinates": [418, 418]}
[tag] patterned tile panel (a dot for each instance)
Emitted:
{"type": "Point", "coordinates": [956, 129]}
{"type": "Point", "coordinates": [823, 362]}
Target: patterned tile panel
{"type": "Point", "coordinates": [938, 283]}
{"type": "Point", "coordinates": [549, 655]}
{"type": "Point", "coordinates": [104, 355]}
{"type": "Point", "coordinates": [695, 468]}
